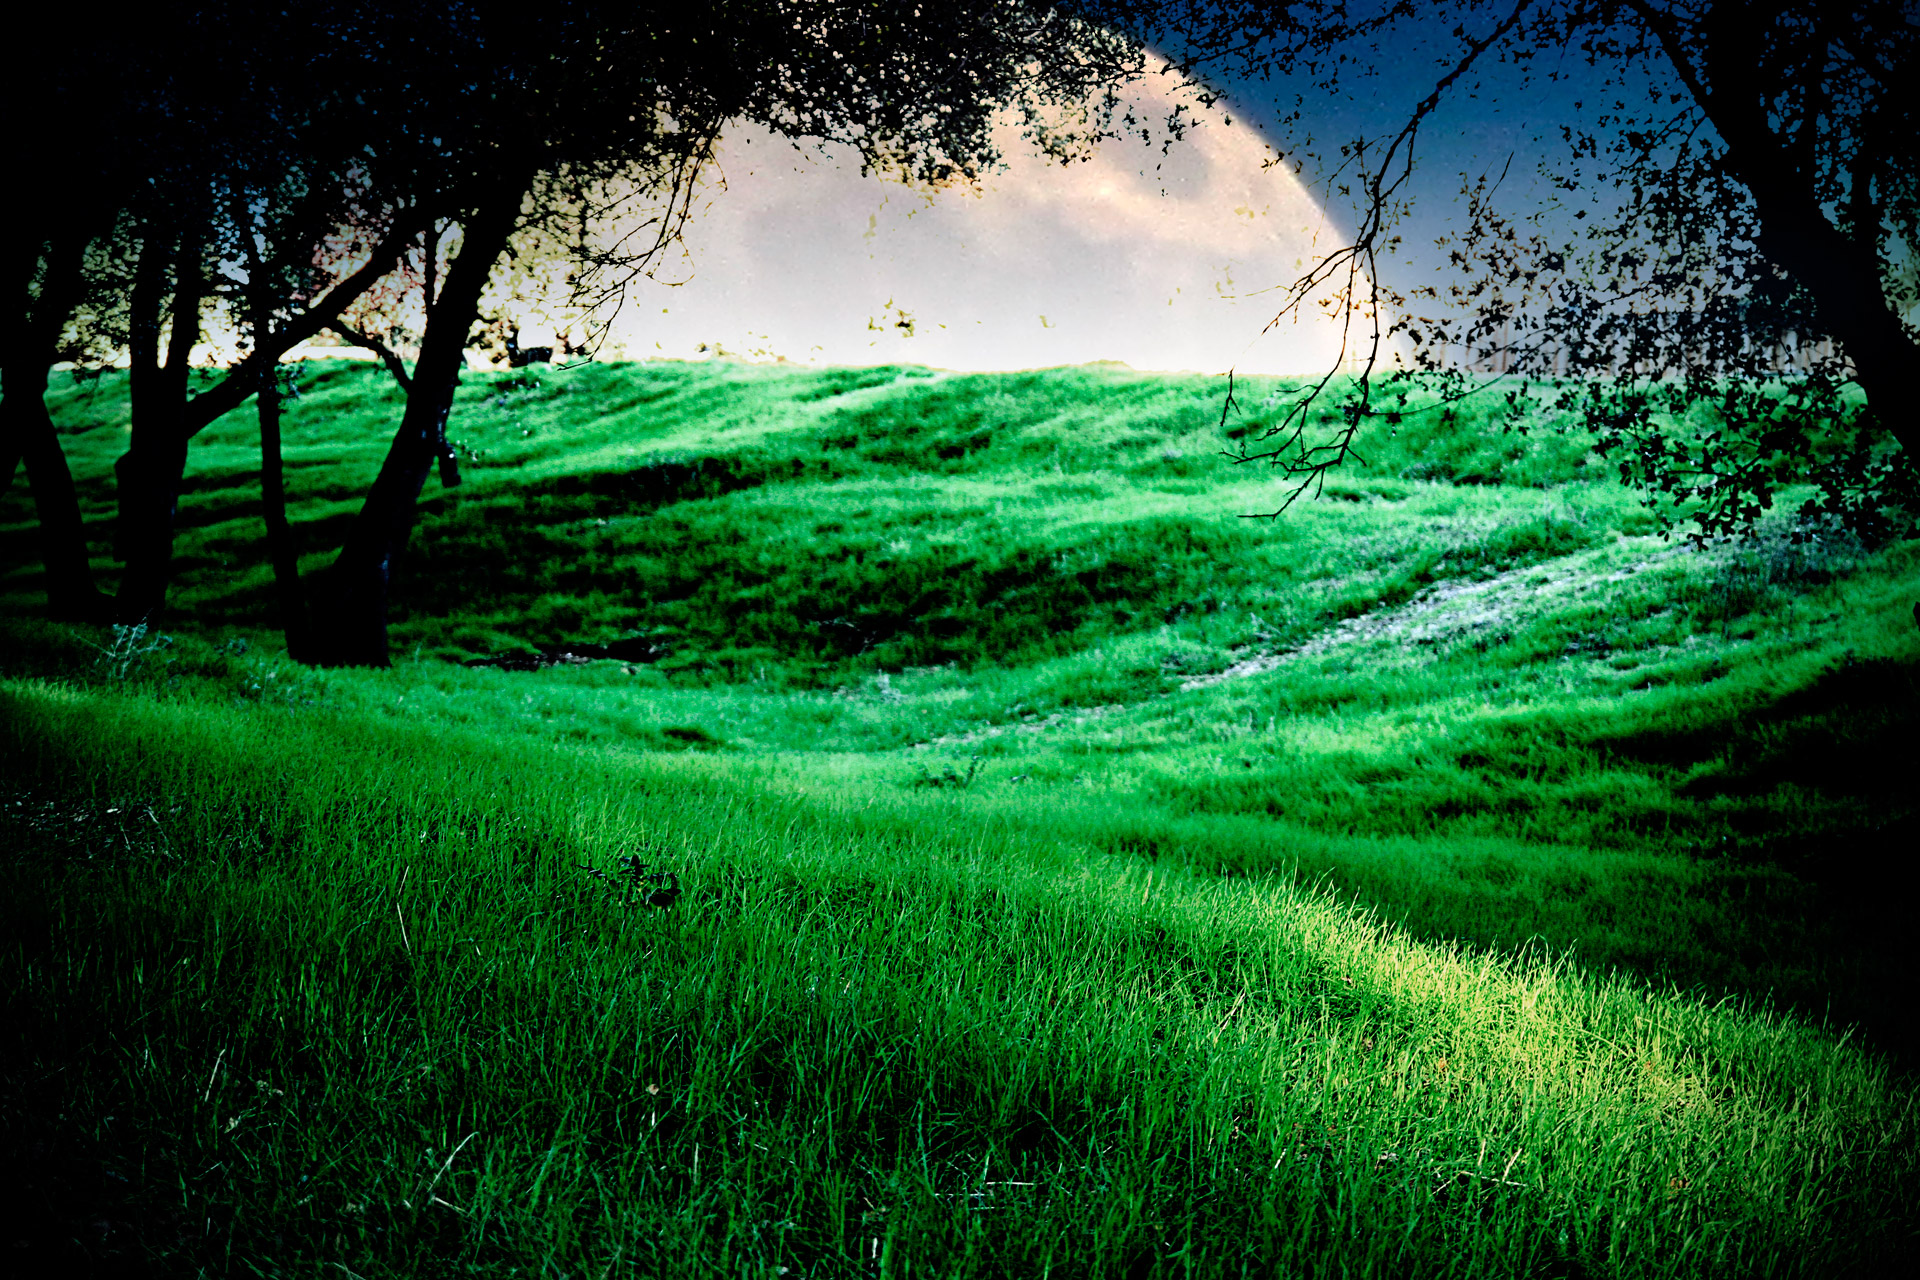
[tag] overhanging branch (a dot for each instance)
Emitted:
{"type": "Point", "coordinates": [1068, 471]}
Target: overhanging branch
{"type": "Point", "coordinates": [232, 391]}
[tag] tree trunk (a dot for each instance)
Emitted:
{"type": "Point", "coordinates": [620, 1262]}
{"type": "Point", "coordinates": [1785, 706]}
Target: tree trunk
{"type": "Point", "coordinates": [1842, 272]}
{"type": "Point", "coordinates": [22, 261]}
{"type": "Point", "coordinates": [26, 430]}
{"type": "Point", "coordinates": [29, 435]}
{"type": "Point", "coordinates": [350, 617]}
{"type": "Point", "coordinates": [1844, 279]}
{"type": "Point", "coordinates": [150, 473]}
{"type": "Point", "coordinates": [281, 550]}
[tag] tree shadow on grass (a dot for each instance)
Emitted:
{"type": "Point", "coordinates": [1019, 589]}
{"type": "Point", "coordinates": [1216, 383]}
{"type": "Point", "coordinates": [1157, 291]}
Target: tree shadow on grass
{"type": "Point", "coordinates": [1820, 784]}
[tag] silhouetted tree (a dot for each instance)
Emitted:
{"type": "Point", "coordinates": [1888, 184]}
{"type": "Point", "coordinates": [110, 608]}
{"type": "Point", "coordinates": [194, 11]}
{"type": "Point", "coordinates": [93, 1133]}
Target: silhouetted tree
{"type": "Point", "coordinates": [44, 279]}
{"type": "Point", "coordinates": [588, 109]}
{"type": "Point", "coordinates": [272, 166]}
{"type": "Point", "coordinates": [1726, 289]}
{"type": "Point", "coordinates": [205, 138]}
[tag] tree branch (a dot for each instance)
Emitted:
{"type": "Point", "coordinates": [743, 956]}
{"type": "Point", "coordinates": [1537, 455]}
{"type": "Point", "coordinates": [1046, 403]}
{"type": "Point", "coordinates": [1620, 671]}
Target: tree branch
{"type": "Point", "coordinates": [232, 391]}
{"type": "Point", "coordinates": [1357, 261]}
{"type": "Point", "coordinates": [388, 356]}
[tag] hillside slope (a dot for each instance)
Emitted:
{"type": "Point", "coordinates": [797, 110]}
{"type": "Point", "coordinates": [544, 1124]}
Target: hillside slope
{"type": "Point", "coordinates": [1469, 653]}
{"type": "Point", "coordinates": [1033, 862]}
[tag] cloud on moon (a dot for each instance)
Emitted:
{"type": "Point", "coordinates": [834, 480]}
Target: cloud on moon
{"type": "Point", "coordinates": [1163, 259]}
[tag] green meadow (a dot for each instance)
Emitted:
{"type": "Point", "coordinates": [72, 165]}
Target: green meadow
{"type": "Point", "coordinates": [1063, 873]}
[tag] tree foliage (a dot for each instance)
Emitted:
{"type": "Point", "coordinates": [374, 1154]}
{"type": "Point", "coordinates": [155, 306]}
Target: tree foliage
{"type": "Point", "coordinates": [275, 173]}
{"type": "Point", "coordinates": [1724, 289]}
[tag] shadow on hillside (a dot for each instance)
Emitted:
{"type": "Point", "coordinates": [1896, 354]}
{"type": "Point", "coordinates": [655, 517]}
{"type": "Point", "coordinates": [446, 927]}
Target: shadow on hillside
{"type": "Point", "coordinates": [1821, 784]}
{"type": "Point", "coordinates": [1846, 747]}
{"type": "Point", "coordinates": [1852, 732]}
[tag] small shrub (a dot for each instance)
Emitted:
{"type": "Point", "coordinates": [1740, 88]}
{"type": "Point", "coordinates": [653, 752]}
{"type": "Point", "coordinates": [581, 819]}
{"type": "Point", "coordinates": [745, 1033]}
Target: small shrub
{"type": "Point", "coordinates": [128, 651]}
{"type": "Point", "coordinates": [635, 884]}
{"type": "Point", "coordinates": [949, 777]}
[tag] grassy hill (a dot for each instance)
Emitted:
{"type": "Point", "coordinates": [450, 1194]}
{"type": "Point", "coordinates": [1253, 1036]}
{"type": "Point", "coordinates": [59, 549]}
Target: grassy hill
{"type": "Point", "coordinates": [1075, 876]}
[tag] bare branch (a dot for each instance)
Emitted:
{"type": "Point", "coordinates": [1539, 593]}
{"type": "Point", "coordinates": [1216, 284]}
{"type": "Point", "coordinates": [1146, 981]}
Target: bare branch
{"type": "Point", "coordinates": [241, 380]}
{"type": "Point", "coordinates": [388, 356]}
{"type": "Point", "coordinates": [1354, 265]}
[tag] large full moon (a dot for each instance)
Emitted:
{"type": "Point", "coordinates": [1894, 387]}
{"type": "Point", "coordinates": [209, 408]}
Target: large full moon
{"type": "Point", "coordinates": [1164, 258]}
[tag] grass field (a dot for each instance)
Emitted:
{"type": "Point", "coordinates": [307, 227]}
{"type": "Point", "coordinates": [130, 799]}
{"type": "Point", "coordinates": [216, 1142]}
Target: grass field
{"type": "Point", "coordinates": [1449, 877]}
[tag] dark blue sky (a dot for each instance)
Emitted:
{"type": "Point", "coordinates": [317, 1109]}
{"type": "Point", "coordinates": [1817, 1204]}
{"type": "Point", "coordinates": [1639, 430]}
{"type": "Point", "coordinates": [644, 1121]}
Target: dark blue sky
{"type": "Point", "coordinates": [1499, 117]}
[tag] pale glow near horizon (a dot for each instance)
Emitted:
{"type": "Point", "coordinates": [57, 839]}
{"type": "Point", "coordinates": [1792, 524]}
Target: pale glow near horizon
{"type": "Point", "coordinates": [1163, 261]}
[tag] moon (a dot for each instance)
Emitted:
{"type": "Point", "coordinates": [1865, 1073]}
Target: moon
{"type": "Point", "coordinates": [1162, 257]}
